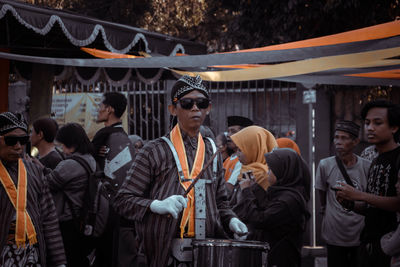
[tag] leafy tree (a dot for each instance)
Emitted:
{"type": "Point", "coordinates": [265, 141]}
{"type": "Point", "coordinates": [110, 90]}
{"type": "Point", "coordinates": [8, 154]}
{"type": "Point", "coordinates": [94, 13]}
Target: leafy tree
{"type": "Point", "coordinates": [265, 22]}
{"type": "Point", "coordinates": [226, 25]}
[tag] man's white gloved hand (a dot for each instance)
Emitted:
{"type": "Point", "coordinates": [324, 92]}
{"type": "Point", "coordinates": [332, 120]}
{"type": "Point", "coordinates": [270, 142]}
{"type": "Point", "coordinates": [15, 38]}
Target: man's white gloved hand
{"type": "Point", "coordinates": [237, 227]}
{"type": "Point", "coordinates": [171, 205]}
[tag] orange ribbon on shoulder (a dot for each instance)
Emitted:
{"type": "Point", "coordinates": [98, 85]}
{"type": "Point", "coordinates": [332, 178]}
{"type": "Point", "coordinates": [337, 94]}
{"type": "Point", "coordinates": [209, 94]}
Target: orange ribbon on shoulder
{"type": "Point", "coordinates": [24, 225]}
{"type": "Point", "coordinates": [189, 212]}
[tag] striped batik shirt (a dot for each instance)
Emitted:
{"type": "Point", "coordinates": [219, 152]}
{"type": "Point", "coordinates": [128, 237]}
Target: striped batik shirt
{"type": "Point", "coordinates": [154, 175]}
{"type": "Point", "coordinates": [41, 209]}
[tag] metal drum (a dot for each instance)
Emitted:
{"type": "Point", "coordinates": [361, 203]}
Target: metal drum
{"type": "Point", "coordinates": [229, 253]}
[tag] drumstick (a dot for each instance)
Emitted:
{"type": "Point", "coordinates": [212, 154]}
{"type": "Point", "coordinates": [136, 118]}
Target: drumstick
{"type": "Point", "coordinates": [201, 173]}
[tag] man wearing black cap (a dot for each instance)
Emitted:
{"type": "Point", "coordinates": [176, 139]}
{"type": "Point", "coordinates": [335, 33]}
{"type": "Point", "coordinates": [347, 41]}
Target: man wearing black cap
{"type": "Point", "coordinates": [341, 227]}
{"type": "Point", "coordinates": [29, 230]}
{"type": "Point", "coordinates": [232, 164]}
{"type": "Point", "coordinates": [162, 171]}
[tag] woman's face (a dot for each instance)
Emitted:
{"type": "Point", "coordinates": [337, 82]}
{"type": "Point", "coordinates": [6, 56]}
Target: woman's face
{"type": "Point", "coordinates": [242, 157]}
{"type": "Point", "coordinates": [67, 150]}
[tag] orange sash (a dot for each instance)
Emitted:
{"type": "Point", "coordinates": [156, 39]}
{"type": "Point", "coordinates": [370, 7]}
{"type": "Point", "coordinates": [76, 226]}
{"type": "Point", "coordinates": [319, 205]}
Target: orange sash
{"type": "Point", "coordinates": [189, 211]}
{"type": "Point", "coordinates": [229, 166]}
{"type": "Point", "coordinates": [24, 226]}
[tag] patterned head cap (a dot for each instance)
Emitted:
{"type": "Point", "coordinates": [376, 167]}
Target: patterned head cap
{"type": "Point", "coordinates": [348, 127]}
{"type": "Point", "coordinates": [185, 85]}
{"type": "Point", "coordinates": [10, 121]}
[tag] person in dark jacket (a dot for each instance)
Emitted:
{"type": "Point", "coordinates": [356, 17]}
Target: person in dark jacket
{"type": "Point", "coordinates": [68, 182]}
{"type": "Point", "coordinates": [279, 214]}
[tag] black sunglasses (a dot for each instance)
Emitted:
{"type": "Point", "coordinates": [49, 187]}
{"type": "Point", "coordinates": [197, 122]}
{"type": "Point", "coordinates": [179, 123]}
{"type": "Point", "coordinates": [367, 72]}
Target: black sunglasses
{"type": "Point", "coordinates": [12, 140]}
{"type": "Point", "coordinates": [188, 103]}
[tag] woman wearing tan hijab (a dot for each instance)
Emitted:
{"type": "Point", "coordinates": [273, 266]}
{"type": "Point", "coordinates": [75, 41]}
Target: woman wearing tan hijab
{"type": "Point", "coordinates": [253, 143]}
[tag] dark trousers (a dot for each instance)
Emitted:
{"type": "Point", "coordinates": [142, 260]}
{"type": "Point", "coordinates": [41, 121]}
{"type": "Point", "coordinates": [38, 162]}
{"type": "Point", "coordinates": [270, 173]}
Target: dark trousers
{"type": "Point", "coordinates": [127, 247]}
{"type": "Point", "coordinates": [371, 255]}
{"type": "Point", "coordinates": [77, 246]}
{"type": "Point", "coordinates": [342, 256]}
{"type": "Point", "coordinates": [107, 244]}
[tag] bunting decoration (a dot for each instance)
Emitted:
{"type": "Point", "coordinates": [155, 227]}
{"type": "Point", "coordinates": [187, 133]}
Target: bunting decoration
{"type": "Point", "coordinates": [367, 56]}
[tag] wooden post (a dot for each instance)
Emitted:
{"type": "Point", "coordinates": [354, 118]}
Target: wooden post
{"type": "Point", "coordinates": [4, 75]}
{"type": "Point", "coordinates": [41, 91]}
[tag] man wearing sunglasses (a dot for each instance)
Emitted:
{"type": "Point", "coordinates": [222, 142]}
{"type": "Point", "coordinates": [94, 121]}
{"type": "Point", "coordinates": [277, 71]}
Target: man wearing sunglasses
{"type": "Point", "coordinates": [29, 230]}
{"type": "Point", "coordinates": [152, 194]}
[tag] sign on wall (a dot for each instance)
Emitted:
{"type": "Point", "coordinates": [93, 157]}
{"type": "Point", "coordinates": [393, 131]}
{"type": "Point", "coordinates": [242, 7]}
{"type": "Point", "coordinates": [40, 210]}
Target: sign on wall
{"type": "Point", "coordinates": [309, 97]}
{"type": "Point", "coordinates": [80, 108]}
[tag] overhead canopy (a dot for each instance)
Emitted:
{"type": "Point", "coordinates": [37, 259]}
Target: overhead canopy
{"type": "Point", "coordinates": [37, 31]}
{"type": "Point", "coordinates": [365, 56]}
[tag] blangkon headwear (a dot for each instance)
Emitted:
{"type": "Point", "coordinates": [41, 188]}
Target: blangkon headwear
{"type": "Point", "coordinates": [10, 121]}
{"type": "Point", "coordinates": [185, 85]}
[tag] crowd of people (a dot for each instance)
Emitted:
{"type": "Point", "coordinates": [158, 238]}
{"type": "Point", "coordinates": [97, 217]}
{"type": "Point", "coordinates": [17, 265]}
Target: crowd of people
{"type": "Point", "coordinates": [256, 187]}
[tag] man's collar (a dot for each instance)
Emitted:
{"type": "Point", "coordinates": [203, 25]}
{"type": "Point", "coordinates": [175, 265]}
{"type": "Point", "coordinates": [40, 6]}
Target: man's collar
{"type": "Point", "coordinates": [187, 139]}
{"type": "Point", "coordinates": [117, 124]}
{"type": "Point", "coordinates": [185, 135]}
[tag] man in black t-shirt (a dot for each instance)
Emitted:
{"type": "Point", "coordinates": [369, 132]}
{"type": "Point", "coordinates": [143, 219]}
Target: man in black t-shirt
{"type": "Point", "coordinates": [42, 137]}
{"type": "Point", "coordinates": [379, 203]}
{"type": "Point", "coordinates": [117, 246]}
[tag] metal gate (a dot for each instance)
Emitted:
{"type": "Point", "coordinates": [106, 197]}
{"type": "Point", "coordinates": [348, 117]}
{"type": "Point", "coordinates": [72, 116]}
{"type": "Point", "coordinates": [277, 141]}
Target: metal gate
{"type": "Point", "coordinates": [270, 104]}
{"type": "Point", "coordinates": [146, 104]}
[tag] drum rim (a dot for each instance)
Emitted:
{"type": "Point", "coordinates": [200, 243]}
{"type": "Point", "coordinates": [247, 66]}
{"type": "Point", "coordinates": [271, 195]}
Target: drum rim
{"type": "Point", "coordinates": [230, 243]}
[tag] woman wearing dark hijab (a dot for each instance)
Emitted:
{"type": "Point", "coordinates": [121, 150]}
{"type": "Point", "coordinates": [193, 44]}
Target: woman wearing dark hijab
{"type": "Point", "coordinates": [278, 215]}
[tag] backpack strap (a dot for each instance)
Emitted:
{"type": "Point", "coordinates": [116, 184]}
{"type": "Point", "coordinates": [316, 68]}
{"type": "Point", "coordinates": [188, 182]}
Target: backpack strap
{"type": "Point", "coordinates": [62, 155]}
{"type": "Point", "coordinates": [88, 170]}
{"type": "Point", "coordinates": [83, 163]}
{"type": "Point", "coordinates": [91, 204]}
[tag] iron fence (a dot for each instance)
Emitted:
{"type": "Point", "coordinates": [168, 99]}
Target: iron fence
{"type": "Point", "coordinates": [270, 104]}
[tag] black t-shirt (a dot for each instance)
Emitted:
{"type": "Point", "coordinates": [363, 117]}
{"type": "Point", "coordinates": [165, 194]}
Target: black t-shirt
{"type": "Point", "coordinates": [51, 160]}
{"type": "Point", "coordinates": [382, 178]}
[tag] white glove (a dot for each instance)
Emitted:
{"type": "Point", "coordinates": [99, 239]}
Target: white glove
{"type": "Point", "coordinates": [237, 227]}
{"type": "Point", "coordinates": [171, 205]}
